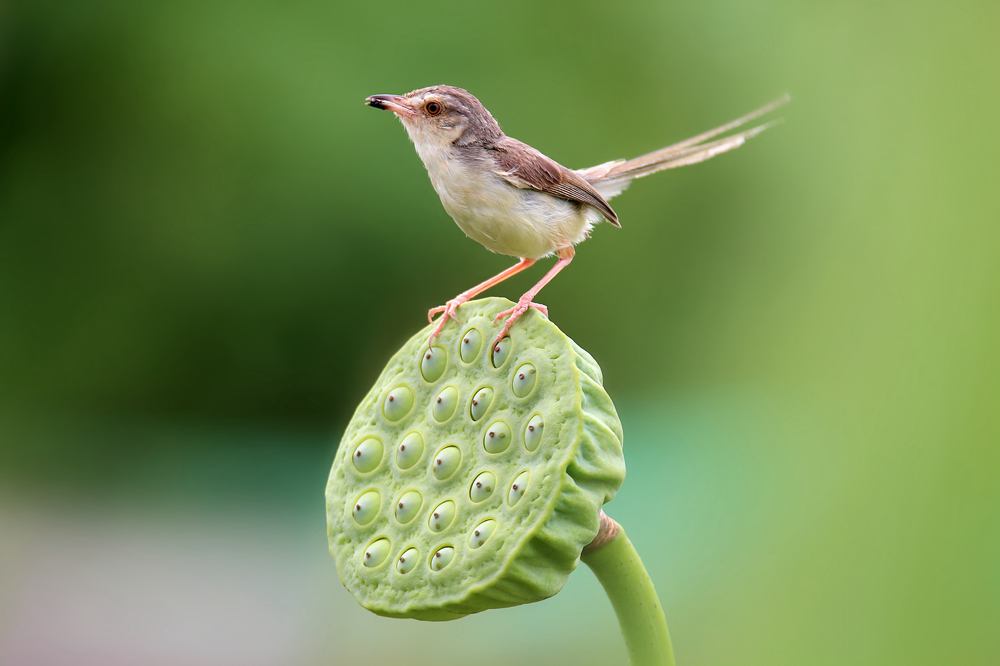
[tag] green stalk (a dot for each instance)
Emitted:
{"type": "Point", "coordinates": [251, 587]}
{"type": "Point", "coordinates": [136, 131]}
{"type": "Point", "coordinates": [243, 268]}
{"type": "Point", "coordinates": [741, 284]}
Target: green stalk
{"type": "Point", "coordinates": [617, 565]}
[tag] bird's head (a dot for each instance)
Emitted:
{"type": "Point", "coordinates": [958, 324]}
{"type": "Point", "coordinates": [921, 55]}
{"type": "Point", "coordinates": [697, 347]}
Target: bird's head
{"type": "Point", "coordinates": [441, 115]}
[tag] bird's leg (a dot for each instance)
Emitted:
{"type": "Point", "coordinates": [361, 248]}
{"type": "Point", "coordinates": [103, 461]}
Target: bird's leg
{"type": "Point", "coordinates": [447, 311]}
{"type": "Point", "coordinates": [526, 301]}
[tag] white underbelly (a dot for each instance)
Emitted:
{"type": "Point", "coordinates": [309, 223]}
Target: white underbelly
{"type": "Point", "coordinates": [512, 221]}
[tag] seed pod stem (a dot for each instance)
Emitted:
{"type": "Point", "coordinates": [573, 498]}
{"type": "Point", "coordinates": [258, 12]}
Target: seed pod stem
{"type": "Point", "coordinates": [615, 562]}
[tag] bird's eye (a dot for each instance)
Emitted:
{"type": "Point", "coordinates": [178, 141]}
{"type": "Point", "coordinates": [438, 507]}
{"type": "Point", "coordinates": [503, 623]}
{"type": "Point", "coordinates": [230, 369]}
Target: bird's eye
{"type": "Point", "coordinates": [433, 108]}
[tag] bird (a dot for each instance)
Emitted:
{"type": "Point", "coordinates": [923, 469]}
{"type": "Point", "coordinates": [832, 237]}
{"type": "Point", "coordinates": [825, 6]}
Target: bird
{"type": "Point", "coordinates": [515, 201]}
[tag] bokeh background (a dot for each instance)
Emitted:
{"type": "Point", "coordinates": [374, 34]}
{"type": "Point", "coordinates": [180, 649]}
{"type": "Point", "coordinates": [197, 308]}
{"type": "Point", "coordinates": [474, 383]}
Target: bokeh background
{"type": "Point", "coordinates": [208, 248]}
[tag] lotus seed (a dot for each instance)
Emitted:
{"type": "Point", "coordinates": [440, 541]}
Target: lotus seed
{"type": "Point", "coordinates": [408, 506]}
{"type": "Point", "coordinates": [376, 553]}
{"type": "Point", "coordinates": [500, 352]}
{"type": "Point", "coordinates": [398, 403]}
{"type": "Point", "coordinates": [472, 342]}
{"type": "Point", "coordinates": [407, 560]}
{"type": "Point", "coordinates": [366, 507]}
{"type": "Point", "coordinates": [446, 461]}
{"type": "Point", "coordinates": [442, 516]}
{"type": "Point", "coordinates": [433, 364]}
{"type": "Point", "coordinates": [533, 432]}
{"type": "Point", "coordinates": [481, 402]}
{"type": "Point", "coordinates": [518, 488]}
{"type": "Point", "coordinates": [442, 558]}
{"type": "Point", "coordinates": [524, 380]}
{"type": "Point", "coordinates": [482, 533]}
{"type": "Point", "coordinates": [367, 455]}
{"type": "Point", "coordinates": [410, 450]}
{"type": "Point", "coordinates": [445, 404]}
{"type": "Point", "coordinates": [482, 487]}
{"type": "Point", "coordinates": [497, 437]}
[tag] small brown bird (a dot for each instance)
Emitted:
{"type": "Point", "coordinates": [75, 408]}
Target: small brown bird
{"type": "Point", "coordinates": [514, 200]}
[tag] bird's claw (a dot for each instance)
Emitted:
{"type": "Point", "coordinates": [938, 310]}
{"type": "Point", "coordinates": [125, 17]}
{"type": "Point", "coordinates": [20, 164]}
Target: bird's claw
{"type": "Point", "coordinates": [447, 311]}
{"type": "Point", "coordinates": [515, 313]}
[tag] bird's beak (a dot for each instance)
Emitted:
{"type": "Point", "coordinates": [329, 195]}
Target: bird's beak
{"type": "Point", "coordinates": [395, 103]}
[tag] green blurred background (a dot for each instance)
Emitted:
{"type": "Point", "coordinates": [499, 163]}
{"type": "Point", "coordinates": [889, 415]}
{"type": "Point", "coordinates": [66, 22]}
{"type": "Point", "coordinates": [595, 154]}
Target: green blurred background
{"type": "Point", "coordinates": [208, 248]}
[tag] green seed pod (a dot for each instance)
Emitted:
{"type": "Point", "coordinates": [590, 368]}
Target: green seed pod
{"type": "Point", "coordinates": [467, 521]}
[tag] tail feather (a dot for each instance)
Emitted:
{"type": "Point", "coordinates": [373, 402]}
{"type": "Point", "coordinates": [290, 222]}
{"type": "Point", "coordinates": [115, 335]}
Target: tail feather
{"type": "Point", "coordinates": [612, 178]}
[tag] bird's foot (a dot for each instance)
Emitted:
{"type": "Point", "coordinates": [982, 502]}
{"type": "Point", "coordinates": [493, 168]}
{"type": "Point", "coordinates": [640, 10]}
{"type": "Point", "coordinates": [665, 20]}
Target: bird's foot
{"type": "Point", "coordinates": [447, 311]}
{"type": "Point", "coordinates": [515, 313]}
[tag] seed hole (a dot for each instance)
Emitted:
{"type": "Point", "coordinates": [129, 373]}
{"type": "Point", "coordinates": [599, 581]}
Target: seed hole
{"type": "Point", "coordinates": [445, 404]}
{"type": "Point", "coordinates": [410, 450]}
{"type": "Point", "coordinates": [442, 516]}
{"type": "Point", "coordinates": [447, 462]}
{"type": "Point", "coordinates": [376, 553]}
{"type": "Point", "coordinates": [533, 433]}
{"type": "Point", "coordinates": [482, 533]}
{"type": "Point", "coordinates": [398, 403]}
{"type": "Point", "coordinates": [408, 506]}
{"type": "Point", "coordinates": [524, 380]}
{"type": "Point", "coordinates": [367, 455]}
{"type": "Point", "coordinates": [497, 437]}
{"type": "Point", "coordinates": [518, 488]}
{"type": "Point", "coordinates": [482, 486]}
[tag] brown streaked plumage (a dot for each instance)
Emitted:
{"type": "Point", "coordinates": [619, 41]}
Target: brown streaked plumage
{"type": "Point", "coordinates": [514, 200]}
{"type": "Point", "coordinates": [523, 166]}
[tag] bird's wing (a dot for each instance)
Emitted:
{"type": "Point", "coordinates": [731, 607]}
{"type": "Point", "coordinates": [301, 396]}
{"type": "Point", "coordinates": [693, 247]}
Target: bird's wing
{"type": "Point", "coordinates": [524, 167]}
{"type": "Point", "coordinates": [611, 178]}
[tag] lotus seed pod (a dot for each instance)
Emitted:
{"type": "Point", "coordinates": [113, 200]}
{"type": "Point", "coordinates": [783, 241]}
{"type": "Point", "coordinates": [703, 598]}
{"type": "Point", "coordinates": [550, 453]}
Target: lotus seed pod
{"type": "Point", "coordinates": [474, 541]}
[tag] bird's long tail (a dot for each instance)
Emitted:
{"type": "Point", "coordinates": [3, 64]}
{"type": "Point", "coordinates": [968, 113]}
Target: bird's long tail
{"type": "Point", "coordinates": [611, 178]}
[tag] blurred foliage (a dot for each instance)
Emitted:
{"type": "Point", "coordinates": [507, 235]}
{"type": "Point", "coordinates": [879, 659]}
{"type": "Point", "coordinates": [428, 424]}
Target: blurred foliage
{"type": "Point", "coordinates": [203, 231]}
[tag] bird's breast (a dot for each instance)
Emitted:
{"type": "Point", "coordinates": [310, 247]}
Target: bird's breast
{"type": "Point", "coordinates": [503, 218]}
